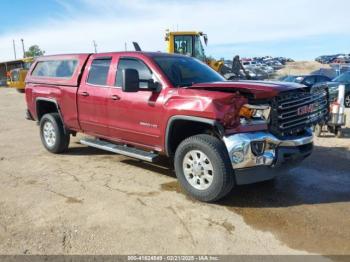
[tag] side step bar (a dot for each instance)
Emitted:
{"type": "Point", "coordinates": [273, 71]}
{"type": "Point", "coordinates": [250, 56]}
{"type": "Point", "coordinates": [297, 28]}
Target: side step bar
{"type": "Point", "coordinates": [119, 149]}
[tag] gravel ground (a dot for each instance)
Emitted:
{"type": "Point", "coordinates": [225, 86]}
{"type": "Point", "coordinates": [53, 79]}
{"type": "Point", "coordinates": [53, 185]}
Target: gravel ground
{"type": "Point", "coordinates": [92, 202]}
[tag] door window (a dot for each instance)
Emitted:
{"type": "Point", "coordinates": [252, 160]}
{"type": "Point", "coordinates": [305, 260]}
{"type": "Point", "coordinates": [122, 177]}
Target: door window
{"type": "Point", "coordinates": [99, 69]}
{"type": "Point", "coordinates": [183, 44]}
{"type": "Point", "coordinates": [199, 50]}
{"type": "Point", "coordinates": [15, 75]}
{"type": "Point", "coordinates": [145, 73]}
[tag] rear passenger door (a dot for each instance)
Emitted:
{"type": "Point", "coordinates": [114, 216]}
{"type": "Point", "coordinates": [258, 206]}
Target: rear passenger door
{"type": "Point", "coordinates": [93, 95]}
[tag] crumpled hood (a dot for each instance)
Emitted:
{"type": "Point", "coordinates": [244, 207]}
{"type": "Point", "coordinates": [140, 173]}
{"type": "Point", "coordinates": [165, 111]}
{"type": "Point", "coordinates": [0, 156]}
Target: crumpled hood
{"type": "Point", "coordinates": [258, 89]}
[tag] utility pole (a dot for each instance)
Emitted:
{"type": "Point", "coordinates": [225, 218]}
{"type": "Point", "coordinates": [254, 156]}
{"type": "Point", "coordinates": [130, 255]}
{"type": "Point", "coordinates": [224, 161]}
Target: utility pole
{"type": "Point", "coordinates": [95, 45]}
{"type": "Point", "coordinates": [14, 48]}
{"type": "Point", "coordinates": [24, 51]}
{"type": "Point", "coordinates": [126, 46]}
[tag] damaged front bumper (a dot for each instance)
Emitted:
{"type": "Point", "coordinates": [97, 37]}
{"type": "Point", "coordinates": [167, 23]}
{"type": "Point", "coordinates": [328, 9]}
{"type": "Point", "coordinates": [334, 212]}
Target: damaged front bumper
{"type": "Point", "coordinates": [259, 156]}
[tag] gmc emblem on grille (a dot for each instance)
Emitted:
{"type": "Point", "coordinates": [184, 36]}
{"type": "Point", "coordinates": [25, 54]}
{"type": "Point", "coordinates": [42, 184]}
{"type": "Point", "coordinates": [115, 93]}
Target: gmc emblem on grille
{"type": "Point", "coordinates": [306, 109]}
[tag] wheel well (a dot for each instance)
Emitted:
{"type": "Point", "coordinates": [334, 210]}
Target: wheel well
{"type": "Point", "coordinates": [44, 107]}
{"type": "Point", "coordinates": [182, 129]}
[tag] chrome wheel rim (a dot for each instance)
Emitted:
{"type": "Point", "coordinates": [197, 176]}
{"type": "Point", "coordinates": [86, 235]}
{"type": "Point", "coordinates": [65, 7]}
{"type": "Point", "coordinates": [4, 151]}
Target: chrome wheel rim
{"type": "Point", "coordinates": [49, 134]}
{"type": "Point", "coordinates": [347, 101]}
{"type": "Point", "coordinates": [198, 169]}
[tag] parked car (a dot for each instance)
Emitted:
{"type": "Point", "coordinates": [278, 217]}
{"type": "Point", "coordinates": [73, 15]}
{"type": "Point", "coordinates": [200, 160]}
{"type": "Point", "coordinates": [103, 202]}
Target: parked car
{"type": "Point", "coordinates": [327, 59]}
{"type": "Point", "coordinates": [333, 86]}
{"type": "Point", "coordinates": [308, 80]}
{"type": "Point", "coordinates": [144, 105]}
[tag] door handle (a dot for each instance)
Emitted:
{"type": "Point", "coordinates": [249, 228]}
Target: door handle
{"type": "Point", "coordinates": [115, 97]}
{"type": "Point", "coordinates": [84, 93]}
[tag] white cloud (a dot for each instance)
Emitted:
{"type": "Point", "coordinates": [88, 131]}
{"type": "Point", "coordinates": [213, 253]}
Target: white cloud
{"type": "Point", "coordinates": [112, 23]}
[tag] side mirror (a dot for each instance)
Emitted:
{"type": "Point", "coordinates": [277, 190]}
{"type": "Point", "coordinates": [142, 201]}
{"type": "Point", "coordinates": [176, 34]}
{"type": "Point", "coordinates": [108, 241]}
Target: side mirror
{"type": "Point", "coordinates": [131, 80]}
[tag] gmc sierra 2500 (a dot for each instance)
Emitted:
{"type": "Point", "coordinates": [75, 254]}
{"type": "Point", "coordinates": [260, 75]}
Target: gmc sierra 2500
{"type": "Point", "coordinates": [217, 133]}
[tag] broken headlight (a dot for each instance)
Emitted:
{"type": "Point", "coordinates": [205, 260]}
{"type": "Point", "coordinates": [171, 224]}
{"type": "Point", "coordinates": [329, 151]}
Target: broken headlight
{"type": "Point", "coordinates": [250, 114]}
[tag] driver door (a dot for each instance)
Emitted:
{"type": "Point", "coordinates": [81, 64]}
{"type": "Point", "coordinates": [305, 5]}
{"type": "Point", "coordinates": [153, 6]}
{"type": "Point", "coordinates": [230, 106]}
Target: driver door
{"type": "Point", "coordinates": [135, 117]}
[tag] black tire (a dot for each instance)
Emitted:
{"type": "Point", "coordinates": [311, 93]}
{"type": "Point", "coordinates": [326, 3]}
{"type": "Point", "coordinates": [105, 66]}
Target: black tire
{"type": "Point", "coordinates": [20, 90]}
{"type": "Point", "coordinates": [318, 130]}
{"type": "Point", "coordinates": [347, 100]}
{"type": "Point", "coordinates": [62, 139]}
{"type": "Point", "coordinates": [223, 175]}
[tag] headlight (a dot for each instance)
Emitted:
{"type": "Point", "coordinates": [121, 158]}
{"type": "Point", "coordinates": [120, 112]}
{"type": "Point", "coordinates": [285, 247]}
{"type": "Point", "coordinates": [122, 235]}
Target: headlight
{"type": "Point", "coordinates": [250, 113]}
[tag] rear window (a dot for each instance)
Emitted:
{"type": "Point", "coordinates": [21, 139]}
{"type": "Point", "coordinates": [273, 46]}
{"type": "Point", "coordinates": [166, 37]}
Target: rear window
{"type": "Point", "coordinates": [55, 68]}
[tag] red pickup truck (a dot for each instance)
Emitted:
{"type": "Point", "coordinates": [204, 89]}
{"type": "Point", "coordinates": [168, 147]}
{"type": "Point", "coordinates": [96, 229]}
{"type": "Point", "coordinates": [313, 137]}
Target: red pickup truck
{"type": "Point", "coordinates": [144, 105]}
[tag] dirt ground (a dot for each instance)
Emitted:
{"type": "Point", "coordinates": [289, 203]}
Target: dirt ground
{"type": "Point", "coordinates": [301, 68]}
{"type": "Point", "coordinates": [89, 201]}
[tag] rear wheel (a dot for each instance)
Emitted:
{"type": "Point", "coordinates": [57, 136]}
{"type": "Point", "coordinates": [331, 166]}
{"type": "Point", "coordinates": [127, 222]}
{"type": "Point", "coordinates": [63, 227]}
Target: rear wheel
{"type": "Point", "coordinates": [203, 168]}
{"type": "Point", "coordinates": [20, 90]}
{"type": "Point", "coordinates": [52, 133]}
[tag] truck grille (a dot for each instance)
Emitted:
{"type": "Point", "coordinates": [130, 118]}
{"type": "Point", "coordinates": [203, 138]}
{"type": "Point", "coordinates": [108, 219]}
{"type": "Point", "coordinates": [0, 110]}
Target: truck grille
{"type": "Point", "coordinates": [294, 111]}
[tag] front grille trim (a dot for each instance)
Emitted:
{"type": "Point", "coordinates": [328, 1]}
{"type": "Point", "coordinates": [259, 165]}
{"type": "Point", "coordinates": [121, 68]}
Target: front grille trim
{"type": "Point", "coordinates": [285, 120]}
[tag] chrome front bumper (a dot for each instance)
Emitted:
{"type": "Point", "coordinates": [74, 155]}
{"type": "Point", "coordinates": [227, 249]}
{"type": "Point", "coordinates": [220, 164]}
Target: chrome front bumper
{"type": "Point", "coordinates": [256, 149]}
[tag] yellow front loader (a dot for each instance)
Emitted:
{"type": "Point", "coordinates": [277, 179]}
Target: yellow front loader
{"type": "Point", "coordinates": [190, 43]}
{"type": "Point", "coordinates": [17, 76]}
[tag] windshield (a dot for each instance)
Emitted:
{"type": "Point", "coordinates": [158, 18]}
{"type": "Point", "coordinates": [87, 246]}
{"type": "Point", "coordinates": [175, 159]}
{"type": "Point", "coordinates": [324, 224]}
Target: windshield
{"type": "Point", "coordinates": [27, 65]}
{"type": "Point", "coordinates": [345, 77]}
{"type": "Point", "coordinates": [186, 71]}
{"type": "Point", "coordinates": [183, 44]}
{"type": "Point", "coordinates": [198, 49]}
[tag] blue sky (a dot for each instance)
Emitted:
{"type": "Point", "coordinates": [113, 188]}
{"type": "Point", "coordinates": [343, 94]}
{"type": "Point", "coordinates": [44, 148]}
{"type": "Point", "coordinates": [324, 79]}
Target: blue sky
{"type": "Point", "coordinates": [301, 29]}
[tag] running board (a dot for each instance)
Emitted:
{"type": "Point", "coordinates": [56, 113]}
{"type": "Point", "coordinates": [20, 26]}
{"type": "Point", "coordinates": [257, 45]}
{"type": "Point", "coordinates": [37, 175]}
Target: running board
{"type": "Point", "coordinates": [119, 149]}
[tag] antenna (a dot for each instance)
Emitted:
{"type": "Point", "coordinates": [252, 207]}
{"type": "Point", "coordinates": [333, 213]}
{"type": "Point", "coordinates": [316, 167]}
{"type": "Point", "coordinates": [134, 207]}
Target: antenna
{"type": "Point", "coordinates": [24, 51]}
{"type": "Point", "coordinates": [14, 48]}
{"type": "Point", "coordinates": [95, 45]}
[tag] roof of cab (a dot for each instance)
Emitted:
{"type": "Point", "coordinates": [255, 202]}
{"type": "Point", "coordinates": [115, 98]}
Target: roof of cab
{"type": "Point", "coordinates": [83, 55]}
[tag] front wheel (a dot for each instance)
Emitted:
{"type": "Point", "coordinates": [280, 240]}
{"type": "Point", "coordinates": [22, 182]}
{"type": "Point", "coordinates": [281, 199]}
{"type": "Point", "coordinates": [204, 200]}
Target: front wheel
{"type": "Point", "coordinates": [203, 168]}
{"type": "Point", "coordinates": [52, 133]}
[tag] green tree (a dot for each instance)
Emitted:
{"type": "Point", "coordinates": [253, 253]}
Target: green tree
{"type": "Point", "coordinates": [33, 51]}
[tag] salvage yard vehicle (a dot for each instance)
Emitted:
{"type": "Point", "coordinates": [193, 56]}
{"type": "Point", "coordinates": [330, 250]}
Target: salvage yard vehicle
{"type": "Point", "coordinates": [190, 43]}
{"type": "Point", "coordinates": [17, 76]}
{"type": "Point", "coordinates": [333, 87]}
{"type": "Point", "coordinates": [337, 116]}
{"type": "Point", "coordinates": [17, 79]}
{"type": "Point", "coordinates": [144, 105]}
{"type": "Point", "coordinates": [308, 80]}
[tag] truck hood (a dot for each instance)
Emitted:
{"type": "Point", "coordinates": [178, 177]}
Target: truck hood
{"type": "Point", "coordinates": [257, 89]}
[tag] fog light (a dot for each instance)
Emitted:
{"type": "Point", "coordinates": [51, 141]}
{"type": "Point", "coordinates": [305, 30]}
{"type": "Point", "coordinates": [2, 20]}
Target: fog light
{"type": "Point", "coordinates": [237, 156]}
